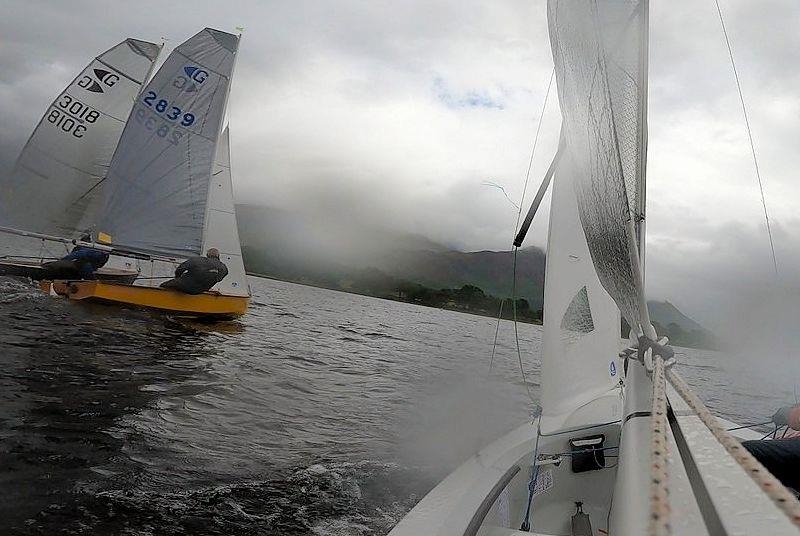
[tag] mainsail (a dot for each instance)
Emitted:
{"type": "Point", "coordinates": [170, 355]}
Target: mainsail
{"type": "Point", "coordinates": [157, 190]}
{"type": "Point", "coordinates": [599, 50]}
{"type": "Point", "coordinates": [54, 186]}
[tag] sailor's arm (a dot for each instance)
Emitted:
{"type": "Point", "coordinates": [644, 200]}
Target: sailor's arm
{"type": "Point", "coordinates": [788, 416]}
{"type": "Point", "coordinates": [182, 268]}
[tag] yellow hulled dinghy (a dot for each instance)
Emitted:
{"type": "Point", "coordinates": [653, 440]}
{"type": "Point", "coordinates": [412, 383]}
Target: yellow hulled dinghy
{"type": "Point", "coordinates": [208, 304]}
{"type": "Point", "coordinates": [168, 192]}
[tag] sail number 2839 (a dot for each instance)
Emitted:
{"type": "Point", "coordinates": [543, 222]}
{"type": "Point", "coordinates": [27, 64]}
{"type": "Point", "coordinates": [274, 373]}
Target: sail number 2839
{"type": "Point", "coordinates": [173, 113]}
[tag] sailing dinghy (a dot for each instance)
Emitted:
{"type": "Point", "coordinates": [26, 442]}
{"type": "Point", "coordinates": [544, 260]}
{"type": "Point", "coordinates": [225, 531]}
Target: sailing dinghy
{"type": "Point", "coordinates": [52, 195]}
{"type": "Point", "coordinates": [621, 445]}
{"type": "Point", "coordinates": [168, 192]}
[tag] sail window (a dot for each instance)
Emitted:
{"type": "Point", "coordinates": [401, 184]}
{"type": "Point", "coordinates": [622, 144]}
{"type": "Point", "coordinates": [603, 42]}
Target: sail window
{"type": "Point", "coordinates": [577, 318]}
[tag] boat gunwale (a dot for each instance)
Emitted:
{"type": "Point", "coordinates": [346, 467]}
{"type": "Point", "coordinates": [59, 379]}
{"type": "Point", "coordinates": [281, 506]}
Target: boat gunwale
{"type": "Point", "coordinates": [90, 289]}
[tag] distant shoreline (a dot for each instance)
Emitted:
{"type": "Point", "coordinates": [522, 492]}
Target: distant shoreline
{"type": "Point", "coordinates": [456, 309]}
{"type": "Point", "coordinates": [456, 303]}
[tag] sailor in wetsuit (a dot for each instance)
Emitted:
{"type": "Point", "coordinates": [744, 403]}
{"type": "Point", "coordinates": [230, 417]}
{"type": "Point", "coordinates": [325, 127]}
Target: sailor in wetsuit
{"type": "Point", "coordinates": [81, 263]}
{"type": "Point", "coordinates": [198, 274]}
{"type": "Point", "coordinates": [781, 457]}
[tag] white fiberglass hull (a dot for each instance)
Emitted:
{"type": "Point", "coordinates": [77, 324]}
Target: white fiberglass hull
{"type": "Point", "coordinates": [488, 494]}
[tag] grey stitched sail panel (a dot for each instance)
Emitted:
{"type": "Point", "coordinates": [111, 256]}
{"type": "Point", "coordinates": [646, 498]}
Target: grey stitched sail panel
{"type": "Point", "coordinates": [158, 182]}
{"type": "Point", "coordinates": [598, 49]}
{"type": "Point", "coordinates": [55, 184]}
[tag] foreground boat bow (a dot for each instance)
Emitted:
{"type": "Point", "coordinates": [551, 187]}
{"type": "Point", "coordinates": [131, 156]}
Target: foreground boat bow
{"type": "Point", "coordinates": [623, 446]}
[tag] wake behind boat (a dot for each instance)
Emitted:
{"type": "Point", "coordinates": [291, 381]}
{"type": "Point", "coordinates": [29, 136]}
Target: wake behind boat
{"type": "Point", "coordinates": [168, 193]}
{"type": "Point", "coordinates": [622, 445]}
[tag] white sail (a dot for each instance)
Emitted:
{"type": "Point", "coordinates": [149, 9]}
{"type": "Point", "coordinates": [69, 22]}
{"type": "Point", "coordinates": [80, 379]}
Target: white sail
{"type": "Point", "coordinates": [158, 182]}
{"type": "Point", "coordinates": [591, 273]}
{"type": "Point", "coordinates": [598, 51]}
{"type": "Point", "coordinates": [581, 321]}
{"type": "Point", "coordinates": [221, 231]}
{"type": "Point", "coordinates": [55, 184]}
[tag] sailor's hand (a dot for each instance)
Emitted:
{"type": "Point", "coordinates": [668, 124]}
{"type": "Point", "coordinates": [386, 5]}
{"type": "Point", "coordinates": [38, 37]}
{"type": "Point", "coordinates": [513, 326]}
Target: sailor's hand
{"type": "Point", "coordinates": [781, 417]}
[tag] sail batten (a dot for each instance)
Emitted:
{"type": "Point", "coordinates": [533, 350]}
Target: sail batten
{"type": "Point", "coordinates": [53, 187]}
{"type": "Point", "coordinates": [160, 176]}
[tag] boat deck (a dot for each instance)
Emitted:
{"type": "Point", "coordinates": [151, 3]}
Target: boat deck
{"type": "Point", "coordinates": [35, 271]}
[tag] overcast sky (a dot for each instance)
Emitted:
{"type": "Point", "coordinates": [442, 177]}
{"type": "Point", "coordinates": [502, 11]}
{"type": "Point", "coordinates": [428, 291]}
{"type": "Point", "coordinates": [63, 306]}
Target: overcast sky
{"type": "Point", "coordinates": [399, 111]}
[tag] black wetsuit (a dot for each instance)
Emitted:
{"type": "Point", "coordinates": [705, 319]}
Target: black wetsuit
{"type": "Point", "coordinates": [197, 275]}
{"type": "Point", "coordinates": [781, 457]}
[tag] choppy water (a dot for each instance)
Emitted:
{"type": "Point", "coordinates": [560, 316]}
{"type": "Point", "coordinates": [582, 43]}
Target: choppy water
{"type": "Point", "coordinates": [319, 412]}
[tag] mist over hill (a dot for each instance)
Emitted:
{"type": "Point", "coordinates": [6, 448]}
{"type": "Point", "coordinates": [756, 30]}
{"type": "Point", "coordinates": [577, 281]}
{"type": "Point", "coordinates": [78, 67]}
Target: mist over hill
{"type": "Point", "coordinates": [306, 248]}
{"type": "Point", "coordinates": [345, 254]}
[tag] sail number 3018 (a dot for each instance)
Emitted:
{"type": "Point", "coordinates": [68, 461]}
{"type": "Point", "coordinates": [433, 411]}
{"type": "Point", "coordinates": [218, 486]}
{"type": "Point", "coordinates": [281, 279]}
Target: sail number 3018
{"type": "Point", "coordinates": [161, 106]}
{"type": "Point", "coordinates": [72, 116]}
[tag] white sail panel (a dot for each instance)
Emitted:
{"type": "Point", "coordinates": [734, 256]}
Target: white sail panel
{"type": "Point", "coordinates": [158, 182]}
{"type": "Point", "coordinates": [221, 230]}
{"type": "Point", "coordinates": [598, 50]}
{"type": "Point", "coordinates": [581, 321]}
{"type": "Point", "coordinates": [54, 186]}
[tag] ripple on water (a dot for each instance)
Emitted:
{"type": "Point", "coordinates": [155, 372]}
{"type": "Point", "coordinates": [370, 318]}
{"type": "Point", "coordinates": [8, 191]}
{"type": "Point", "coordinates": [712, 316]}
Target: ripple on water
{"type": "Point", "coordinates": [125, 422]}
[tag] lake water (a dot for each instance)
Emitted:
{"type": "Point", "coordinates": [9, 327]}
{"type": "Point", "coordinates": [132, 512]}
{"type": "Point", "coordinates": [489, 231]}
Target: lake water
{"type": "Point", "coordinates": [319, 412]}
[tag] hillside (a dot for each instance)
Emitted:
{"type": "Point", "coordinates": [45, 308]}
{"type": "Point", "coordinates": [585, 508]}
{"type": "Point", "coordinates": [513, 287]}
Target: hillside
{"type": "Point", "coordinates": [380, 262]}
{"type": "Point", "coordinates": [304, 249]}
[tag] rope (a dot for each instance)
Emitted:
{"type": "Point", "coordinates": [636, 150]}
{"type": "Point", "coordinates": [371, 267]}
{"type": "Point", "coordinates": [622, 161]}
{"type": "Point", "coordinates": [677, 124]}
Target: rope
{"type": "Point", "coordinates": [516, 225]}
{"type": "Point", "coordinates": [749, 425]}
{"type": "Point", "coordinates": [750, 136]}
{"type": "Point", "coordinates": [526, 522]}
{"type": "Point", "coordinates": [533, 149]}
{"type": "Point", "coordinates": [659, 491]}
{"type": "Point", "coordinates": [516, 332]}
{"type": "Point", "coordinates": [496, 331]}
{"type": "Point", "coordinates": [782, 497]}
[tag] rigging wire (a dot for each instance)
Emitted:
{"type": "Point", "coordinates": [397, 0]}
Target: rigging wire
{"type": "Point", "coordinates": [749, 426]}
{"type": "Point", "coordinates": [533, 149]}
{"type": "Point", "coordinates": [753, 153]}
{"type": "Point", "coordinates": [516, 332]}
{"type": "Point", "coordinates": [516, 226]}
{"type": "Point", "coordinates": [496, 331]}
{"type": "Point", "coordinates": [749, 136]}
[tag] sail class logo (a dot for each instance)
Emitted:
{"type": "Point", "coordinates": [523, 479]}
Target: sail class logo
{"type": "Point", "coordinates": [95, 84]}
{"type": "Point", "coordinates": [195, 76]}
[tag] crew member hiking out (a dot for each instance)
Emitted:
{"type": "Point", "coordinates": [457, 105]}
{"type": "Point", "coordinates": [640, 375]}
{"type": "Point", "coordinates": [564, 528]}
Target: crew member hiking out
{"type": "Point", "coordinates": [781, 456]}
{"type": "Point", "coordinates": [81, 263]}
{"type": "Point", "coordinates": [198, 274]}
